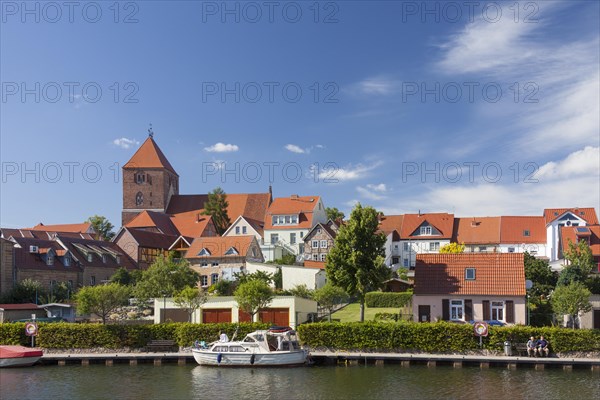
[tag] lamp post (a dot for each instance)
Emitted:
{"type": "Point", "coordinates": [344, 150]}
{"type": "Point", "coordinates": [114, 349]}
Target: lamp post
{"type": "Point", "coordinates": [164, 309]}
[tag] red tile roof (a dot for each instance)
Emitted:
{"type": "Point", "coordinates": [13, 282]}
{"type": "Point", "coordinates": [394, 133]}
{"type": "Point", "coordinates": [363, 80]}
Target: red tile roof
{"type": "Point", "coordinates": [587, 213]}
{"type": "Point", "coordinates": [149, 155]}
{"type": "Point", "coordinates": [218, 246]}
{"type": "Point", "coordinates": [570, 233]}
{"type": "Point", "coordinates": [303, 206]}
{"type": "Point", "coordinates": [84, 227]}
{"type": "Point", "coordinates": [498, 274]}
{"type": "Point", "coordinates": [477, 230]}
{"type": "Point", "coordinates": [443, 222]}
{"type": "Point", "coordinates": [513, 230]}
{"type": "Point", "coordinates": [314, 264]}
{"type": "Point", "coordinates": [152, 239]}
{"type": "Point", "coordinates": [147, 219]}
{"type": "Point", "coordinates": [391, 224]}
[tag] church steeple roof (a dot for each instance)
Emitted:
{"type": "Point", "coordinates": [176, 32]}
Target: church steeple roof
{"type": "Point", "coordinates": [149, 155]}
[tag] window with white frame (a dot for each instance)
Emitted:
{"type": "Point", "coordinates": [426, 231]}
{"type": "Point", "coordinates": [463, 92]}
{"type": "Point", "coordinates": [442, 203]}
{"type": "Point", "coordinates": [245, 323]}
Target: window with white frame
{"type": "Point", "coordinates": [244, 230]}
{"type": "Point", "coordinates": [67, 260]}
{"type": "Point", "coordinates": [204, 252]}
{"type": "Point", "coordinates": [237, 230]}
{"type": "Point", "coordinates": [497, 310]}
{"type": "Point", "coordinates": [323, 255]}
{"type": "Point", "coordinates": [204, 264]}
{"type": "Point", "coordinates": [315, 244]}
{"type": "Point", "coordinates": [214, 278]}
{"type": "Point", "coordinates": [232, 252]}
{"type": "Point", "coordinates": [470, 274]}
{"type": "Point", "coordinates": [405, 245]}
{"type": "Point", "coordinates": [89, 257]}
{"type": "Point", "coordinates": [315, 257]}
{"type": "Point", "coordinates": [49, 259]}
{"type": "Point", "coordinates": [274, 238]}
{"type": "Point", "coordinates": [511, 249]}
{"type": "Point", "coordinates": [323, 244]}
{"type": "Point", "coordinates": [294, 219]}
{"type": "Point", "coordinates": [482, 249]}
{"type": "Point", "coordinates": [425, 230]}
{"type": "Point", "coordinates": [203, 280]}
{"type": "Point", "coordinates": [214, 264]}
{"type": "Point", "coordinates": [434, 246]}
{"type": "Point", "coordinates": [457, 310]}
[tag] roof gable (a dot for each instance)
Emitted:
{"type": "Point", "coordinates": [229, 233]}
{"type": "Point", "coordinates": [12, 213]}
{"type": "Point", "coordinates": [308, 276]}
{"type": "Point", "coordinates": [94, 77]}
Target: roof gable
{"type": "Point", "coordinates": [220, 246]}
{"type": "Point", "coordinates": [442, 222]}
{"type": "Point", "coordinates": [588, 214]}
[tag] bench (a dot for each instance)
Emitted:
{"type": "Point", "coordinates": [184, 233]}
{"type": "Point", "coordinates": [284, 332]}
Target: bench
{"type": "Point", "coordinates": [156, 345]}
{"type": "Point", "coordinates": [521, 348]}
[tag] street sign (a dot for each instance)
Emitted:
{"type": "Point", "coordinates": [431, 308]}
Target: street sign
{"type": "Point", "coordinates": [480, 329]}
{"type": "Point", "coordinates": [31, 329]}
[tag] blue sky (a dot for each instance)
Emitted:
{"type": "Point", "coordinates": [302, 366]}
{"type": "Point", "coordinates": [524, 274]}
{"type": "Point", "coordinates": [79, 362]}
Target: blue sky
{"type": "Point", "coordinates": [480, 109]}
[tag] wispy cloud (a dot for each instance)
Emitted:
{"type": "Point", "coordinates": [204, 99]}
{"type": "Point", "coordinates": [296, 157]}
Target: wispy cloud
{"type": "Point", "coordinates": [375, 86]}
{"type": "Point", "coordinates": [222, 148]}
{"type": "Point", "coordinates": [294, 149]}
{"type": "Point", "coordinates": [563, 73]}
{"type": "Point", "coordinates": [579, 163]}
{"type": "Point", "coordinates": [125, 143]}
{"type": "Point", "coordinates": [348, 173]}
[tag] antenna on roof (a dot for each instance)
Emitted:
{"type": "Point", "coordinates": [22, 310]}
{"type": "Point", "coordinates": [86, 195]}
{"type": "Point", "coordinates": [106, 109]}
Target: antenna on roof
{"type": "Point", "coordinates": [150, 131]}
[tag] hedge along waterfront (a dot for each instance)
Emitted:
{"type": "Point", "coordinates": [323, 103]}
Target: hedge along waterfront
{"type": "Point", "coordinates": [86, 336]}
{"type": "Point", "coordinates": [388, 299]}
{"type": "Point", "coordinates": [439, 337]}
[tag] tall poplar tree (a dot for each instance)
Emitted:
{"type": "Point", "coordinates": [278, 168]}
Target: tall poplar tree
{"type": "Point", "coordinates": [216, 207]}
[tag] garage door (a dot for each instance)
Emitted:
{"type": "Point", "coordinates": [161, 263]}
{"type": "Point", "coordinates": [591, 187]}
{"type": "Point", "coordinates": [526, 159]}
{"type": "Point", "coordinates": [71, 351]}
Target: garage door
{"type": "Point", "coordinates": [276, 316]}
{"type": "Point", "coordinates": [216, 315]}
{"type": "Point", "coordinates": [244, 316]}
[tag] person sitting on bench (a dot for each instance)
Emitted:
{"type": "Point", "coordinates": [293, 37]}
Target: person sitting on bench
{"type": "Point", "coordinates": [542, 346]}
{"type": "Point", "coordinates": [531, 345]}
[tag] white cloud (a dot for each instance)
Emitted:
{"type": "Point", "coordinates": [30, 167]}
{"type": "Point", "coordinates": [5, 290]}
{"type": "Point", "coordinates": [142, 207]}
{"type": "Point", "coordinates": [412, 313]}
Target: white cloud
{"type": "Point", "coordinates": [376, 86]}
{"type": "Point", "coordinates": [581, 162]}
{"type": "Point", "coordinates": [125, 143]}
{"type": "Point", "coordinates": [369, 193]}
{"type": "Point", "coordinates": [562, 76]}
{"type": "Point", "coordinates": [319, 146]}
{"type": "Point", "coordinates": [336, 174]}
{"type": "Point", "coordinates": [295, 149]}
{"type": "Point", "coordinates": [222, 148]}
{"type": "Point", "coordinates": [378, 188]}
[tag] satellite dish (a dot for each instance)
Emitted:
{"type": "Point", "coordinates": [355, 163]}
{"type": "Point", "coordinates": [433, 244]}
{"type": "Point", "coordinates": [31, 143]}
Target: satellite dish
{"type": "Point", "coordinates": [528, 284]}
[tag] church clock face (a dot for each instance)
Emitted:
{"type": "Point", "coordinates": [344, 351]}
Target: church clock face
{"type": "Point", "coordinates": [139, 199]}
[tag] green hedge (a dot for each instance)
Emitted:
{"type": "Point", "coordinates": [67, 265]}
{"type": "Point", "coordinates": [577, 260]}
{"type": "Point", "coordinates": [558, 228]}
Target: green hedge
{"type": "Point", "coordinates": [439, 337]}
{"type": "Point", "coordinates": [84, 336]}
{"type": "Point", "coordinates": [387, 299]}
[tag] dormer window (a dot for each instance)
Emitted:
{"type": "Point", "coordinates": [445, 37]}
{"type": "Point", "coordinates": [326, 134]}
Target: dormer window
{"type": "Point", "coordinates": [49, 259]}
{"type": "Point", "coordinates": [204, 252]}
{"type": "Point", "coordinates": [67, 260]}
{"type": "Point", "coordinates": [231, 252]}
{"type": "Point", "coordinates": [470, 274]}
{"type": "Point", "coordinates": [285, 219]}
{"type": "Point", "coordinates": [425, 230]}
{"type": "Point", "coordinates": [104, 258]}
{"type": "Point", "coordinates": [118, 259]}
{"type": "Point", "coordinates": [139, 199]}
{"type": "Point", "coordinates": [89, 257]}
{"type": "Point", "coordinates": [526, 232]}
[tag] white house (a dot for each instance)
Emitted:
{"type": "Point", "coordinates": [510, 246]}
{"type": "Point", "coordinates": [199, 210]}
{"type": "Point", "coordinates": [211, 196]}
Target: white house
{"type": "Point", "coordinates": [287, 221]}
{"type": "Point", "coordinates": [555, 219]}
{"type": "Point", "coordinates": [520, 234]}
{"type": "Point", "coordinates": [424, 234]}
{"type": "Point", "coordinates": [244, 226]}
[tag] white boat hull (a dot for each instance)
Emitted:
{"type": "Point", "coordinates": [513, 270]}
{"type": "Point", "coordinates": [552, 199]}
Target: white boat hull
{"type": "Point", "coordinates": [248, 359]}
{"type": "Point", "coordinates": [18, 361]}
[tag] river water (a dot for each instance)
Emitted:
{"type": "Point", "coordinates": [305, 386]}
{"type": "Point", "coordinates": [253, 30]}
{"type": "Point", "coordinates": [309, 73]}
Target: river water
{"type": "Point", "coordinates": [318, 382]}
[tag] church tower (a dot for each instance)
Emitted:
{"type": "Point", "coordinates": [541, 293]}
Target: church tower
{"type": "Point", "coordinates": [149, 181]}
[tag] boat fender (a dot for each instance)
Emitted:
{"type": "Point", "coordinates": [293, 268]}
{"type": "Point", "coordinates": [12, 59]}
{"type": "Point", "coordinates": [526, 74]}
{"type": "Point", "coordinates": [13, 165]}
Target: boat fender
{"type": "Point", "coordinates": [252, 359]}
{"type": "Point", "coordinates": [219, 358]}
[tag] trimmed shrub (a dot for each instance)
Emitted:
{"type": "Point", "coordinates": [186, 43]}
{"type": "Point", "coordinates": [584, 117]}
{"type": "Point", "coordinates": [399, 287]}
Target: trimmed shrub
{"type": "Point", "coordinates": [387, 299]}
{"type": "Point", "coordinates": [439, 337]}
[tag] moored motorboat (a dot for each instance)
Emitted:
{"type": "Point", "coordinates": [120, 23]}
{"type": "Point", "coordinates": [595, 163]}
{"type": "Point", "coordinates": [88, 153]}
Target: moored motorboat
{"type": "Point", "coordinates": [18, 356]}
{"type": "Point", "coordinates": [277, 346]}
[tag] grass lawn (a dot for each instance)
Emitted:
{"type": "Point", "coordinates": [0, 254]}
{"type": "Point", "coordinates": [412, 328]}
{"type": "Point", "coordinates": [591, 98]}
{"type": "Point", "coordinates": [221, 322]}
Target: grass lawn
{"type": "Point", "coordinates": [351, 313]}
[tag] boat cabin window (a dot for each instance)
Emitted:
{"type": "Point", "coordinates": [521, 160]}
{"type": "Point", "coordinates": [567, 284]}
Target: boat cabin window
{"type": "Point", "coordinates": [220, 349]}
{"type": "Point", "coordinates": [236, 349]}
{"type": "Point", "coordinates": [249, 339]}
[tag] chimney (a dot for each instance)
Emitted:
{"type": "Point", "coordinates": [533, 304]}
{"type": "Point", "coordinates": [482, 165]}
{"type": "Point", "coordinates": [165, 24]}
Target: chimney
{"type": "Point", "coordinates": [419, 212]}
{"type": "Point", "coordinates": [294, 197]}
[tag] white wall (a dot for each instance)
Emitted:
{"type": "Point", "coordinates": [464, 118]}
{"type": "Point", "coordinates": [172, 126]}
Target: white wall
{"type": "Point", "coordinates": [293, 276]}
{"type": "Point", "coordinates": [436, 305]}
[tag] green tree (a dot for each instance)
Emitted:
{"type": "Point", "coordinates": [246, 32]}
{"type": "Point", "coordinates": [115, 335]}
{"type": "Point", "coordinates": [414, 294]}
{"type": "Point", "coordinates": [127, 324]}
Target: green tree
{"type": "Point", "coordinates": [580, 263]}
{"type": "Point", "coordinates": [223, 288]}
{"type": "Point", "coordinates": [334, 214]}
{"type": "Point", "coordinates": [263, 276]}
{"type": "Point", "coordinates": [301, 291]}
{"type": "Point", "coordinates": [101, 300]}
{"type": "Point", "coordinates": [253, 295]}
{"type": "Point", "coordinates": [571, 300]}
{"type": "Point", "coordinates": [125, 277]}
{"type": "Point", "coordinates": [102, 226]}
{"type": "Point", "coordinates": [286, 259]}
{"type": "Point", "coordinates": [216, 207]}
{"type": "Point", "coordinates": [329, 296]}
{"type": "Point", "coordinates": [190, 298]}
{"type": "Point", "coordinates": [539, 272]}
{"type": "Point", "coordinates": [165, 277]}
{"type": "Point", "coordinates": [356, 261]}
{"type": "Point", "coordinates": [26, 291]}
{"type": "Point", "coordinates": [453, 248]}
